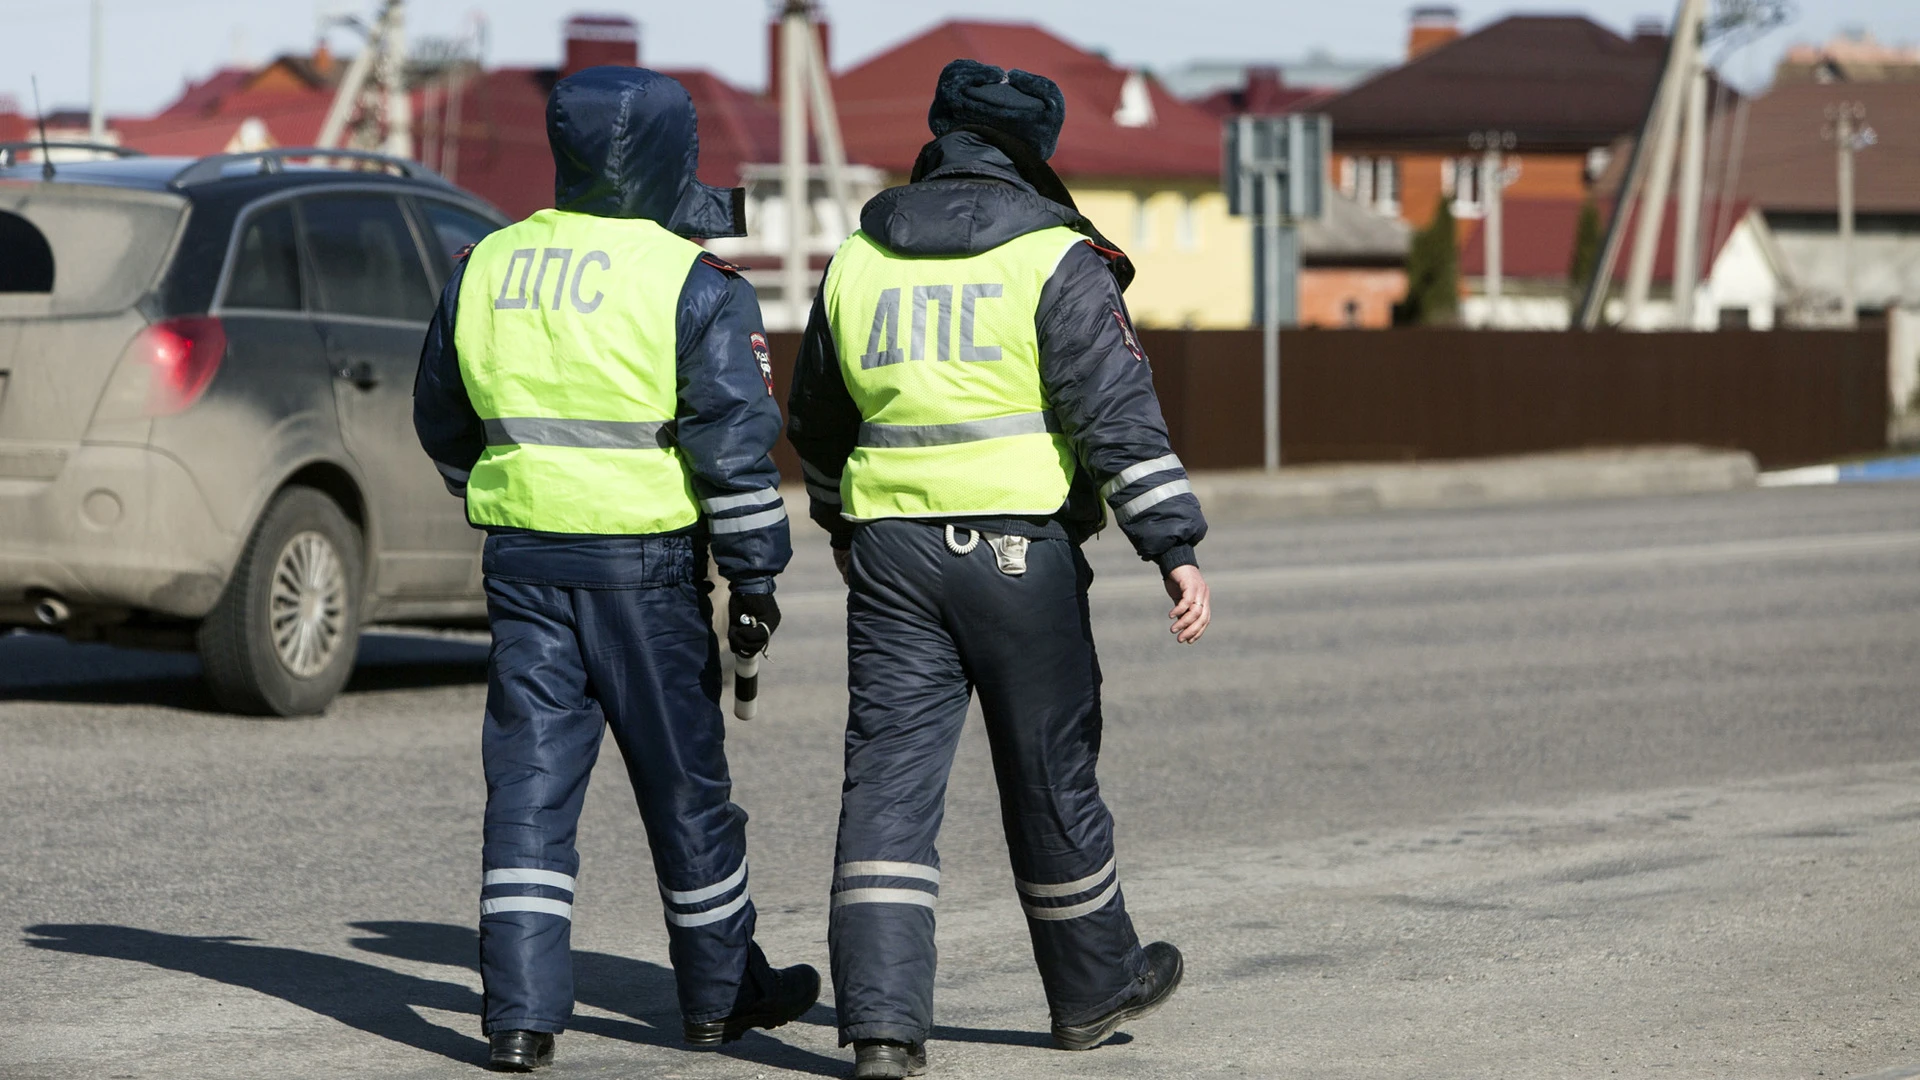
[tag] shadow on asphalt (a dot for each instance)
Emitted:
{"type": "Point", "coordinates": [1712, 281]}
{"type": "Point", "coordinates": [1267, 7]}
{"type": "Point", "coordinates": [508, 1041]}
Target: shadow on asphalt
{"type": "Point", "coordinates": [42, 667]}
{"type": "Point", "coordinates": [634, 988]}
{"type": "Point", "coordinates": [381, 1002]}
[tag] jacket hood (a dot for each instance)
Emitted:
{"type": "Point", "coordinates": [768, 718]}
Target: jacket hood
{"type": "Point", "coordinates": [626, 144]}
{"type": "Point", "coordinates": [970, 195]}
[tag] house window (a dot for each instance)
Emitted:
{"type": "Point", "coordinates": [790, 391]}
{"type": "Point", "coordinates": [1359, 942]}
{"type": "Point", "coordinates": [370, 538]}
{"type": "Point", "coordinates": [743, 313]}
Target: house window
{"type": "Point", "coordinates": [1350, 312]}
{"type": "Point", "coordinates": [1460, 178]}
{"type": "Point", "coordinates": [1188, 235]}
{"type": "Point", "coordinates": [1373, 182]}
{"type": "Point", "coordinates": [1386, 186]}
{"type": "Point", "coordinates": [1143, 223]}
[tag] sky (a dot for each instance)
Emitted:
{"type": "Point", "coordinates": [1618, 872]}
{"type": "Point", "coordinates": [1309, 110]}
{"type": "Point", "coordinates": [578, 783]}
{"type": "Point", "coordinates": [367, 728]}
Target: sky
{"type": "Point", "coordinates": [154, 46]}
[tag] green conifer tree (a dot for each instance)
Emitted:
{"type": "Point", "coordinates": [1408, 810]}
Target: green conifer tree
{"type": "Point", "coordinates": [1586, 251]}
{"type": "Point", "coordinates": [1433, 272]}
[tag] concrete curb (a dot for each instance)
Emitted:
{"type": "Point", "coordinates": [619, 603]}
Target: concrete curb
{"type": "Point", "coordinates": [1880, 470]}
{"type": "Point", "coordinates": [1324, 490]}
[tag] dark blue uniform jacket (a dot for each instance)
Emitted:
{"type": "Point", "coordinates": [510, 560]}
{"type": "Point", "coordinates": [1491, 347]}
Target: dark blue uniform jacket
{"type": "Point", "coordinates": [624, 152]}
{"type": "Point", "coordinates": [972, 198]}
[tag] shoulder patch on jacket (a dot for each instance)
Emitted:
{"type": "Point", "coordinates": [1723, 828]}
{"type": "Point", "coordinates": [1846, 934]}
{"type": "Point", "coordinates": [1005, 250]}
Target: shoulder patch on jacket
{"type": "Point", "coordinates": [1127, 335]}
{"type": "Point", "coordinates": [1106, 253]}
{"type": "Point", "coordinates": [723, 265]}
{"type": "Point", "coordinates": [764, 357]}
{"type": "Point", "coordinates": [461, 255]}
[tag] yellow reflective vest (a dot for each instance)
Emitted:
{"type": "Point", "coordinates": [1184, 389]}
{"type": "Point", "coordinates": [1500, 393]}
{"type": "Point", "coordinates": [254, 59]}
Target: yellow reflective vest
{"type": "Point", "coordinates": [942, 357]}
{"type": "Point", "coordinates": [567, 341]}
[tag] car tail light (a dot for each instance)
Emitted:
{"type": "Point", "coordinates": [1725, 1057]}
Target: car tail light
{"type": "Point", "coordinates": [184, 353]}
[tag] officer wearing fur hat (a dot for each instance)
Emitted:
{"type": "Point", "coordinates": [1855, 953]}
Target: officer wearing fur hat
{"type": "Point", "coordinates": [969, 392]}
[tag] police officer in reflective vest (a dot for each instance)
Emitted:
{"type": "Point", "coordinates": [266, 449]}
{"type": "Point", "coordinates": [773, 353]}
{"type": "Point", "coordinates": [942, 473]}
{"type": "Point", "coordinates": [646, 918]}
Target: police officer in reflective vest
{"type": "Point", "coordinates": [969, 391]}
{"type": "Point", "coordinates": [597, 389]}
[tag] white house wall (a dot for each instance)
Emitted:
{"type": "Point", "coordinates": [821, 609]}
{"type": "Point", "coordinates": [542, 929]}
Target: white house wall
{"type": "Point", "coordinates": [1744, 276]}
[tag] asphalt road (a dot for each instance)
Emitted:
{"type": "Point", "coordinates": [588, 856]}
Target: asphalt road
{"type": "Point", "coordinates": [1570, 791]}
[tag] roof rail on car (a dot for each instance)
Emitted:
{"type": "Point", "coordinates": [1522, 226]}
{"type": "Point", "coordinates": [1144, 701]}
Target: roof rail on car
{"type": "Point", "coordinates": [11, 152]}
{"type": "Point", "coordinates": [215, 166]}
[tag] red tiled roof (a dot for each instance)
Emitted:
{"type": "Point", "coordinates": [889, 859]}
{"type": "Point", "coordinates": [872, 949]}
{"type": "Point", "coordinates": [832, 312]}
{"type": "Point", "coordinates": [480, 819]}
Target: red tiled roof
{"type": "Point", "coordinates": [291, 120]}
{"type": "Point", "coordinates": [207, 95]}
{"type": "Point", "coordinates": [503, 154]}
{"type": "Point", "coordinates": [1538, 237]}
{"type": "Point", "coordinates": [883, 104]}
{"type": "Point", "coordinates": [736, 127]}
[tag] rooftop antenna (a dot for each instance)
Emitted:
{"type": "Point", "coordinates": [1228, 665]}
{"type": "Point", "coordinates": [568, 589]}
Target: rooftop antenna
{"type": "Point", "coordinates": [46, 152]}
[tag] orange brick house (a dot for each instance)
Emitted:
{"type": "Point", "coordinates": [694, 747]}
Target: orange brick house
{"type": "Point", "coordinates": [1564, 87]}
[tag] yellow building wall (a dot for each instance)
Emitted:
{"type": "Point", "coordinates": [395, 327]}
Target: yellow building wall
{"type": "Point", "coordinates": [1194, 260]}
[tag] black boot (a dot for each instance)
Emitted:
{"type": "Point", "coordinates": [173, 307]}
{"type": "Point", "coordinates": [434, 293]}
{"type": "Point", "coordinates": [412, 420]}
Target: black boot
{"type": "Point", "coordinates": [794, 991]}
{"type": "Point", "coordinates": [1164, 969]}
{"type": "Point", "coordinates": [877, 1060]}
{"type": "Point", "coordinates": [519, 1051]}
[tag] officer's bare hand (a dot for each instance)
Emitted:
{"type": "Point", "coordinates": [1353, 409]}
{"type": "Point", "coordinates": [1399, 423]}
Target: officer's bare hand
{"type": "Point", "coordinates": [1193, 604]}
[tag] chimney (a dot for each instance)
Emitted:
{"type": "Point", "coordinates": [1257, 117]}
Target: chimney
{"type": "Point", "coordinates": [1650, 28]}
{"type": "Point", "coordinates": [1434, 25]}
{"type": "Point", "coordinates": [1266, 93]}
{"type": "Point", "coordinates": [774, 52]}
{"type": "Point", "coordinates": [596, 40]}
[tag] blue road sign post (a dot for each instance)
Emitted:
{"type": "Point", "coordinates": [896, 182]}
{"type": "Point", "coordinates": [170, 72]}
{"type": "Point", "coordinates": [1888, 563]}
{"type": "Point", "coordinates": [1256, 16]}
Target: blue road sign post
{"type": "Point", "coordinates": [1276, 171]}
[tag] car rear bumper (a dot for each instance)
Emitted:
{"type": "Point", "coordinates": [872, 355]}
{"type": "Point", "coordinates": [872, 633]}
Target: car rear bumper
{"type": "Point", "coordinates": [119, 527]}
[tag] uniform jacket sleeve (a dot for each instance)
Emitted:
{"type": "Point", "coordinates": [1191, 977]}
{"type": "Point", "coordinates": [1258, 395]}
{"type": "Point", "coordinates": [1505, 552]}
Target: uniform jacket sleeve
{"type": "Point", "coordinates": [727, 425]}
{"type": "Point", "coordinates": [823, 424]}
{"type": "Point", "coordinates": [1101, 388]}
{"type": "Point", "coordinates": [450, 430]}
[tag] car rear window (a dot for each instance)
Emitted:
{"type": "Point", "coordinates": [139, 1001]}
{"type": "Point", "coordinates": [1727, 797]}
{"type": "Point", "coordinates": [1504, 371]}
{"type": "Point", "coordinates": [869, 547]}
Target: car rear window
{"type": "Point", "coordinates": [266, 266]}
{"type": "Point", "coordinates": [365, 257]}
{"type": "Point", "coordinates": [71, 249]}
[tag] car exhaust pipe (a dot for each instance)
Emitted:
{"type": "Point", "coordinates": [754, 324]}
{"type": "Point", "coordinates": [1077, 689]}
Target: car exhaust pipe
{"type": "Point", "coordinates": [52, 611]}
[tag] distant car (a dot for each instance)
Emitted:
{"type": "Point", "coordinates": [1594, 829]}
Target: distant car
{"type": "Point", "coordinates": [206, 436]}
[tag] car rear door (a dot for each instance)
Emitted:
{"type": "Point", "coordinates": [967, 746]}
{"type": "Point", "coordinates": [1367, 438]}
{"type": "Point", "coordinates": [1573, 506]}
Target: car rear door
{"type": "Point", "coordinates": [373, 301]}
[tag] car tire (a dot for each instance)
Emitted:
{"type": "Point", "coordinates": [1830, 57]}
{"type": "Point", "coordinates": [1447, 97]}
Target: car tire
{"type": "Point", "coordinates": [282, 639]}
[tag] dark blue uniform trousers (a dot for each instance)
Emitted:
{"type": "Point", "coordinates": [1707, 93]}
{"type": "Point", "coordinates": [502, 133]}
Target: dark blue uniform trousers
{"type": "Point", "coordinates": [925, 629]}
{"type": "Point", "coordinates": [566, 664]}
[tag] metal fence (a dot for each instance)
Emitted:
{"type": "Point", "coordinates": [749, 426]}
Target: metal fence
{"type": "Point", "coordinates": [1788, 397]}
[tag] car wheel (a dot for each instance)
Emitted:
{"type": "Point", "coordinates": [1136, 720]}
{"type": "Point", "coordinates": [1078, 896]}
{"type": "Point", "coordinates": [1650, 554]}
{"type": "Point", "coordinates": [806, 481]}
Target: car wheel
{"type": "Point", "coordinates": [282, 639]}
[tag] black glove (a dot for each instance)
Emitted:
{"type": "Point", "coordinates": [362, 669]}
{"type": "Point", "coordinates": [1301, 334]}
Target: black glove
{"type": "Point", "coordinates": [744, 638]}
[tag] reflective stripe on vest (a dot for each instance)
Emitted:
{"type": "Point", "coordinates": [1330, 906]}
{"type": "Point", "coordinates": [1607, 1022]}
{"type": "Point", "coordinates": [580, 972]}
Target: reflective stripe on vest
{"type": "Point", "coordinates": [577, 395]}
{"type": "Point", "coordinates": [942, 357]}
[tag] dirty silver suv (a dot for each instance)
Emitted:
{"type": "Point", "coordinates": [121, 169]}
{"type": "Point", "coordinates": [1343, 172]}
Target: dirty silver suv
{"type": "Point", "coordinates": [206, 438]}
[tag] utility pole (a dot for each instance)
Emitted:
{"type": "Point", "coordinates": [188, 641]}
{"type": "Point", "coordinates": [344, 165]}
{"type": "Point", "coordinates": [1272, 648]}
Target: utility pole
{"type": "Point", "coordinates": [1687, 248]}
{"type": "Point", "coordinates": [1493, 184]}
{"type": "Point", "coordinates": [1681, 59]}
{"type": "Point", "coordinates": [796, 22]}
{"type": "Point", "coordinates": [1848, 139]}
{"type": "Point", "coordinates": [804, 80]}
{"type": "Point", "coordinates": [97, 108]}
{"type": "Point", "coordinates": [372, 94]}
{"type": "Point", "coordinates": [393, 73]}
